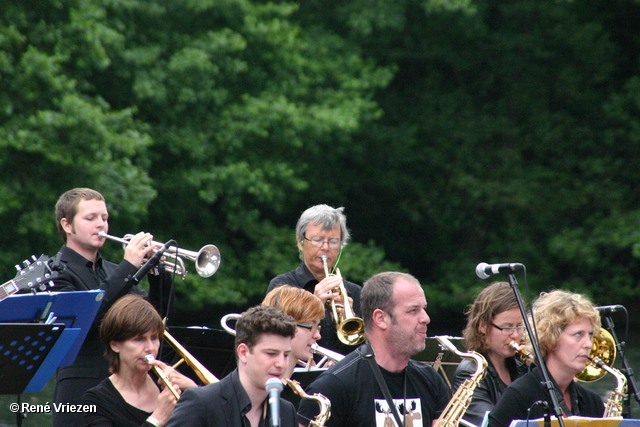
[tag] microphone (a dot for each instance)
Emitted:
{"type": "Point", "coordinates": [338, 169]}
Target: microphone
{"type": "Point", "coordinates": [606, 310]}
{"type": "Point", "coordinates": [274, 386]}
{"type": "Point", "coordinates": [153, 261]}
{"type": "Point", "coordinates": [484, 270]}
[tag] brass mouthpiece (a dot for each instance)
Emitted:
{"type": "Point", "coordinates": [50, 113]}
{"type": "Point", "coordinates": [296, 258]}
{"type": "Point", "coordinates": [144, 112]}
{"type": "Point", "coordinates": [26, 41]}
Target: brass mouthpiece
{"type": "Point", "coordinates": [524, 354]}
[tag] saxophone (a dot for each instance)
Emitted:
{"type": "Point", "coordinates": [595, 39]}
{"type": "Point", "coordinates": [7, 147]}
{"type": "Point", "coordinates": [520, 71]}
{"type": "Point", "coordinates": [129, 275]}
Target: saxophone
{"type": "Point", "coordinates": [460, 401]}
{"type": "Point", "coordinates": [613, 406]}
{"type": "Point", "coordinates": [323, 402]}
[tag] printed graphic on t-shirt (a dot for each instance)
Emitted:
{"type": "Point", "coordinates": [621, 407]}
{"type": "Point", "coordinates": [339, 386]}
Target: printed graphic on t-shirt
{"type": "Point", "coordinates": [410, 410]}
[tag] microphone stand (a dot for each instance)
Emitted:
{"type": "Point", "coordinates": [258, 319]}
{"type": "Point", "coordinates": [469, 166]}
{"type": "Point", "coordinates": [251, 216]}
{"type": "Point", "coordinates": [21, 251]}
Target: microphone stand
{"type": "Point", "coordinates": [547, 383]}
{"type": "Point", "coordinates": [626, 370]}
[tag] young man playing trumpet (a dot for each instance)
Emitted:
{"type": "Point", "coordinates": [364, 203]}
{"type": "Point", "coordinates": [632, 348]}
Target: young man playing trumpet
{"type": "Point", "coordinates": [81, 213]}
{"type": "Point", "coordinates": [322, 231]}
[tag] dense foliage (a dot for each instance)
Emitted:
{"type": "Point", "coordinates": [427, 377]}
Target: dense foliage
{"type": "Point", "coordinates": [453, 132]}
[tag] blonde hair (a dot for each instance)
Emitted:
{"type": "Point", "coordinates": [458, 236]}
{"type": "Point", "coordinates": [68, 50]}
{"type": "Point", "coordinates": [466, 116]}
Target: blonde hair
{"type": "Point", "coordinates": [554, 310]}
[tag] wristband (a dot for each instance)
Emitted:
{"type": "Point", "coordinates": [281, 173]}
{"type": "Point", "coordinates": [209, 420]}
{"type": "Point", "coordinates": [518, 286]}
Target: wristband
{"type": "Point", "coordinates": [154, 422]}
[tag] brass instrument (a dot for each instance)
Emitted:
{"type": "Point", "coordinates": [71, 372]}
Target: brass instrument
{"type": "Point", "coordinates": [613, 406]}
{"type": "Point", "coordinates": [327, 355]}
{"type": "Point", "coordinates": [207, 259]}
{"type": "Point", "coordinates": [460, 401]}
{"type": "Point", "coordinates": [349, 327]}
{"type": "Point", "coordinates": [324, 352]}
{"type": "Point", "coordinates": [165, 379]}
{"type": "Point", "coordinates": [524, 354]}
{"type": "Point", "coordinates": [604, 348]}
{"type": "Point", "coordinates": [203, 373]}
{"type": "Point", "coordinates": [323, 402]}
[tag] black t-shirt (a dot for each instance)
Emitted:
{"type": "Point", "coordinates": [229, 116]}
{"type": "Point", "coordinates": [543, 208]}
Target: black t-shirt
{"type": "Point", "coordinates": [111, 408]}
{"type": "Point", "coordinates": [527, 390]}
{"type": "Point", "coordinates": [357, 400]}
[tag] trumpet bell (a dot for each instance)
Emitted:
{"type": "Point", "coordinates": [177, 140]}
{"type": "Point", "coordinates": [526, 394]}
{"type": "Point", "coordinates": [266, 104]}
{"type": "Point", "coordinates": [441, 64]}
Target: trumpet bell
{"type": "Point", "coordinates": [207, 261]}
{"type": "Point", "coordinates": [350, 331]}
{"type": "Point", "coordinates": [604, 348]}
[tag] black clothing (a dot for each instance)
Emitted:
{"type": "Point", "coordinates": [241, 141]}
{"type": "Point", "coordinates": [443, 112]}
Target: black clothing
{"type": "Point", "coordinates": [224, 403]}
{"type": "Point", "coordinates": [521, 394]}
{"type": "Point", "coordinates": [90, 366]}
{"type": "Point", "coordinates": [489, 390]}
{"type": "Point", "coordinates": [111, 408]}
{"type": "Point", "coordinates": [301, 277]}
{"type": "Point", "coordinates": [419, 393]}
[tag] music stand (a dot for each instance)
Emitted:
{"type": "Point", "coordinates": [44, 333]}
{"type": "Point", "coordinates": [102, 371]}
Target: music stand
{"type": "Point", "coordinates": [23, 349]}
{"type": "Point", "coordinates": [443, 361]}
{"type": "Point", "coordinates": [73, 312]}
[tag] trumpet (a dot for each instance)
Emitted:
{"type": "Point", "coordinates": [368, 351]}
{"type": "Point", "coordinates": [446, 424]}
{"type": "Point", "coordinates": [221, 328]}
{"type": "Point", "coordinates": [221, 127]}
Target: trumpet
{"type": "Point", "coordinates": [207, 259]}
{"type": "Point", "coordinates": [165, 379]}
{"type": "Point", "coordinates": [349, 327]}
{"type": "Point", "coordinates": [327, 355]}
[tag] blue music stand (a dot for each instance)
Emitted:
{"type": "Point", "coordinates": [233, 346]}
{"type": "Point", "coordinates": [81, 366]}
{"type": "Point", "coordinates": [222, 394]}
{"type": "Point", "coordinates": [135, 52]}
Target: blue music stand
{"type": "Point", "coordinates": [23, 349]}
{"type": "Point", "coordinates": [72, 312]}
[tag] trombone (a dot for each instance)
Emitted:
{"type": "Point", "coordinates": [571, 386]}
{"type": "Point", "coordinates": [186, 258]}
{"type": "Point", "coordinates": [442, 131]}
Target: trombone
{"type": "Point", "coordinates": [203, 373]}
{"type": "Point", "coordinates": [207, 259]}
{"type": "Point", "coordinates": [349, 327]}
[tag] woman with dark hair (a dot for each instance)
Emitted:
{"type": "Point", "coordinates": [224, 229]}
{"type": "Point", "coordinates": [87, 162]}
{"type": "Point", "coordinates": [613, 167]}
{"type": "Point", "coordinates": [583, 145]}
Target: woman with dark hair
{"type": "Point", "coordinates": [493, 322]}
{"type": "Point", "coordinates": [131, 330]}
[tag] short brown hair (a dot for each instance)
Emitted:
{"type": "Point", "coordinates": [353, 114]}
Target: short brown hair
{"type": "Point", "coordinates": [262, 319]}
{"type": "Point", "coordinates": [129, 317]}
{"type": "Point", "coordinates": [496, 298]}
{"type": "Point", "coordinates": [67, 205]}
{"type": "Point", "coordinates": [302, 305]}
{"type": "Point", "coordinates": [377, 292]}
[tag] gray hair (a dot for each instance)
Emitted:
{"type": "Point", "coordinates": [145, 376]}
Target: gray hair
{"type": "Point", "coordinates": [326, 216]}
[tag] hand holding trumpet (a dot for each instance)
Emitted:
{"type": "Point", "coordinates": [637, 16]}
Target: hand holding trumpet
{"type": "Point", "coordinates": [139, 248]}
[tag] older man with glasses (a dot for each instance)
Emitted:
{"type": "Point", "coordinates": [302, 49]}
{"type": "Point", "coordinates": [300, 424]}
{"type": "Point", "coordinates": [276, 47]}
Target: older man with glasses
{"type": "Point", "coordinates": [321, 232]}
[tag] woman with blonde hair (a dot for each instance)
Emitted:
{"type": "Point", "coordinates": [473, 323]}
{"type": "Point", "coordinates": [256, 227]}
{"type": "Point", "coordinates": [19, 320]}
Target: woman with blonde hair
{"type": "Point", "coordinates": [566, 323]}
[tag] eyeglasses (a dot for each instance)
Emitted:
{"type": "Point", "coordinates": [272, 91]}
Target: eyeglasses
{"type": "Point", "coordinates": [318, 241]}
{"type": "Point", "coordinates": [509, 330]}
{"type": "Point", "coordinates": [309, 327]}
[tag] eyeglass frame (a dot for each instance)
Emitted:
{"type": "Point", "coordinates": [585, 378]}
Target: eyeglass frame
{"type": "Point", "coordinates": [328, 241]}
{"type": "Point", "coordinates": [520, 328]}
{"type": "Point", "coordinates": [309, 327]}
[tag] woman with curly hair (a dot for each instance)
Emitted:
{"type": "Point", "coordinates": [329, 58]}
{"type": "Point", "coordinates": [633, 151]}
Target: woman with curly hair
{"type": "Point", "coordinates": [566, 323]}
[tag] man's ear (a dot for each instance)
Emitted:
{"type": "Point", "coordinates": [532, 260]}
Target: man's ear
{"type": "Point", "coordinates": [66, 225]}
{"type": "Point", "coordinates": [242, 351]}
{"type": "Point", "coordinates": [380, 318]}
